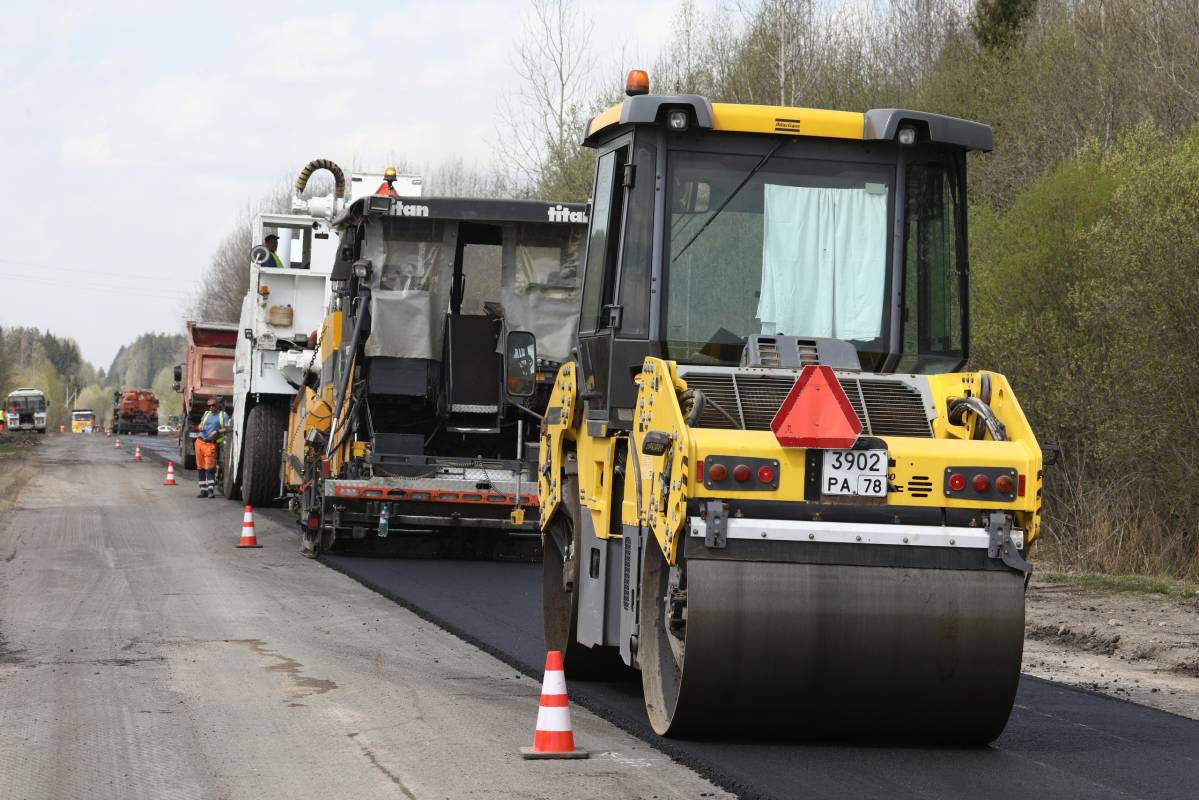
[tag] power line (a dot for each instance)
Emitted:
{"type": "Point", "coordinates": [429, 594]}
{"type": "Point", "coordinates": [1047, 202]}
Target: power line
{"type": "Point", "coordinates": [138, 291]}
{"type": "Point", "coordinates": [50, 268]}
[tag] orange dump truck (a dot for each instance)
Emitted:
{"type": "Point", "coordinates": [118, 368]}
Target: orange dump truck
{"type": "Point", "coordinates": [135, 411]}
{"type": "Point", "coordinates": [206, 372]}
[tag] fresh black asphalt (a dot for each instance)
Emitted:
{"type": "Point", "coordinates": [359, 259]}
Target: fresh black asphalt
{"type": "Point", "coordinates": [1059, 743]}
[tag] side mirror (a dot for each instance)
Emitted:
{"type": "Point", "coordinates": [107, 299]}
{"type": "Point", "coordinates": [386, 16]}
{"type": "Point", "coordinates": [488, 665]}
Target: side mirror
{"type": "Point", "coordinates": [178, 374]}
{"type": "Point", "coordinates": [520, 364]}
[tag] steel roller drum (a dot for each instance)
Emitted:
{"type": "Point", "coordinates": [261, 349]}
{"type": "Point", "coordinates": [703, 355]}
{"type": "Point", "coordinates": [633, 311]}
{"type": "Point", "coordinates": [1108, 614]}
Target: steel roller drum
{"type": "Point", "coordinates": [900, 652]}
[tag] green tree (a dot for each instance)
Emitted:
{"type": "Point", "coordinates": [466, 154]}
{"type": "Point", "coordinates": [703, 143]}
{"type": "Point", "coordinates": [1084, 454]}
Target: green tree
{"type": "Point", "coordinates": [170, 402]}
{"type": "Point", "coordinates": [998, 24]}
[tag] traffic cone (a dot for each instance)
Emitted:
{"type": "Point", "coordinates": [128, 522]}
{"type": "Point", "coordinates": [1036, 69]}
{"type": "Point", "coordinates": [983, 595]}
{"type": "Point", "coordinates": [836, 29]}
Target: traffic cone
{"type": "Point", "coordinates": [248, 537]}
{"type": "Point", "coordinates": [553, 737]}
{"type": "Point", "coordinates": [170, 481]}
{"type": "Point", "coordinates": [118, 444]}
{"type": "Point", "coordinates": [137, 453]}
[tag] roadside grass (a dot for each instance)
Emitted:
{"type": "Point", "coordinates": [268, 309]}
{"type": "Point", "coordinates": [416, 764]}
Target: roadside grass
{"type": "Point", "coordinates": [11, 443]}
{"type": "Point", "coordinates": [1141, 584]}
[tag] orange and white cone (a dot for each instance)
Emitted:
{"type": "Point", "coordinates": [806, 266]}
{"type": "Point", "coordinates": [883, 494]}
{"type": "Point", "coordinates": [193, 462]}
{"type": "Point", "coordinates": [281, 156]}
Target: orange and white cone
{"type": "Point", "coordinates": [137, 453]}
{"type": "Point", "coordinates": [170, 481]}
{"type": "Point", "coordinates": [248, 537]}
{"type": "Point", "coordinates": [118, 444]}
{"type": "Point", "coordinates": [553, 737]}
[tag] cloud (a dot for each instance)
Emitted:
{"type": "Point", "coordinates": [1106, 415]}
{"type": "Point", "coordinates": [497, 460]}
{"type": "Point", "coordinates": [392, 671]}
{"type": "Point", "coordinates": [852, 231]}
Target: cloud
{"type": "Point", "coordinates": [88, 151]}
{"type": "Point", "coordinates": [167, 120]}
{"type": "Point", "coordinates": [308, 49]}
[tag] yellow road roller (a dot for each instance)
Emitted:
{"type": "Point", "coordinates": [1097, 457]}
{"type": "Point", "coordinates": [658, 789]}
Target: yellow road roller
{"type": "Point", "coordinates": [765, 480]}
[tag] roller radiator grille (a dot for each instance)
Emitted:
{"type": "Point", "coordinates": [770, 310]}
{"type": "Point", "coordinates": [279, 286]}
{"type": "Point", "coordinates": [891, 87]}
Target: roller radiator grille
{"type": "Point", "coordinates": [749, 402]}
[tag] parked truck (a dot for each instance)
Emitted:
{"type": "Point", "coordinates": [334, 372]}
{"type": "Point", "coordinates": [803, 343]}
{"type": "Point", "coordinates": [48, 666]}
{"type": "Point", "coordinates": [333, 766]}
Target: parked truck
{"type": "Point", "coordinates": [277, 343]}
{"type": "Point", "coordinates": [135, 411]}
{"type": "Point", "coordinates": [83, 420]}
{"type": "Point", "coordinates": [207, 372]}
{"type": "Point", "coordinates": [406, 430]}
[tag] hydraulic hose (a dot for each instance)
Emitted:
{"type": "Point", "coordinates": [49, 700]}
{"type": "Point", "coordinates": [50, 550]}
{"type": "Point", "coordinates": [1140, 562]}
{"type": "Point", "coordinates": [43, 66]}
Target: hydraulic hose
{"type": "Point", "coordinates": [343, 383]}
{"type": "Point", "coordinates": [339, 177]}
{"type": "Point", "coordinates": [957, 413]}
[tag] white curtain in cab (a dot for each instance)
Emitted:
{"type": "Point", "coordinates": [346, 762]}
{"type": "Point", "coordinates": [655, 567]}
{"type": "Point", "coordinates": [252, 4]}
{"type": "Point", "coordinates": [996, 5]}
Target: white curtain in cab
{"type": "Point", "coordinates": [824, 262]}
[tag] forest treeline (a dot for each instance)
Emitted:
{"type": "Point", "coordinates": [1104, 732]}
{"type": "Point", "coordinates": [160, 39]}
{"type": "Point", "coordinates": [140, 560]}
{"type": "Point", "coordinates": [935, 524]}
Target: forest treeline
{"type": "Point", "coordinates": [1084, 243]}
{"type": "Point", "coordinates": [30, 357]}
{"type": "Point", "coordinates": [1084, 218]}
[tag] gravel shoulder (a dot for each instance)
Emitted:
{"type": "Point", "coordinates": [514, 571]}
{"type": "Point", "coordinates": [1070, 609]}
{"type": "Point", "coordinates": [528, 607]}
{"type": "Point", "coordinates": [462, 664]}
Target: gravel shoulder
{"type": "Point", "coordinates": [1138, 647]}
{"type": "Point", "coordinates": [15, 469]}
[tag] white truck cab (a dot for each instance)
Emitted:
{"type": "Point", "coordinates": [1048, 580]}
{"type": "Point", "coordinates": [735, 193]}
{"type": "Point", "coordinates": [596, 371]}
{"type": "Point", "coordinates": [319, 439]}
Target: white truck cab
{"type": "Point", "coordinates": [280, 318]}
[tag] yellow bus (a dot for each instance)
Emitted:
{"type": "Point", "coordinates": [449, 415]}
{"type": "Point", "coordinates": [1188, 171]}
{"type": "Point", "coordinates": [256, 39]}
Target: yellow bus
{"type": "Point", "coordinates": [83, 420]}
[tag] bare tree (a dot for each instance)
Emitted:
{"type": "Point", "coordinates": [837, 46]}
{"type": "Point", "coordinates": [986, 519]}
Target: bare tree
{"type": "Point", "coordinates": [542, 114]}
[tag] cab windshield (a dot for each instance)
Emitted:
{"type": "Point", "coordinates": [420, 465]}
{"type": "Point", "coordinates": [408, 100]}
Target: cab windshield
{"type": "Point", "coordinates": [776, 245]}
{"type": "Point", "coordinates": [27, 403]}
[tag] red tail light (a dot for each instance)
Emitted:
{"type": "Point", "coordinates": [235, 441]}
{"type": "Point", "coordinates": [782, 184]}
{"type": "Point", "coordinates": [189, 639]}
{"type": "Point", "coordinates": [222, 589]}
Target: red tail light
{"type": "Point", "coordinates": [1020, 484]}
{"type": "Point", "coordinates": [766, 474]}
{"type": "Point", "coordinates": [957, 482]}
{"type": "Point", "coordinates": [314, 522]}
{"type": "Point", "coordinates": [1003, 484]}
{"type": "Point", "coordinates": [325, 471]}
{"type": "Point", "coordinates": [717, 472]}
{"type": "Point", "coordinates": [741, 473]}
{"type": "Point", "coordinates": [981, 483]}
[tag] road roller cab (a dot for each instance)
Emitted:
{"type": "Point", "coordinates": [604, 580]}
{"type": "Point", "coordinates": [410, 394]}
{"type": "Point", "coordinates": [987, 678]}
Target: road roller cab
{"type": "Point", "coordinates": [764, 480]}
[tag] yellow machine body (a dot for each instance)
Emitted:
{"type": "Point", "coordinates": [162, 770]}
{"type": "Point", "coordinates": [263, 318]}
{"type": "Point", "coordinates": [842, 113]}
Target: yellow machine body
{"type": "Point", "coordinates": [659, 409]}
{"type": "Point", "coordinates": [757, 584]}
{"type": "Point", "coordinates": [312, 409]}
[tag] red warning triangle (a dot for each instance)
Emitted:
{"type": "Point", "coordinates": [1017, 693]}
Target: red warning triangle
{"type": "Point", "coordinates": [816, 413]}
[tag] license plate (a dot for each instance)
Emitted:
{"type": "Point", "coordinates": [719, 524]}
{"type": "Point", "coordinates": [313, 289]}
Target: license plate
{"type": "Point", "coordinates": [193, 435]}
{"type": "Point", "coordinates": [859, 473]}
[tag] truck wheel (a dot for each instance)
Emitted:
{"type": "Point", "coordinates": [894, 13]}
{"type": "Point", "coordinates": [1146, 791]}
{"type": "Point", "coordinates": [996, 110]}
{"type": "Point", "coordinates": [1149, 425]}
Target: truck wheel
{"type": "Point", "coordinates": [229, 486]}
{"type": "Point", "coordinates": [187, 454]}
{"type": "Point", "coordinates": [262, 458]}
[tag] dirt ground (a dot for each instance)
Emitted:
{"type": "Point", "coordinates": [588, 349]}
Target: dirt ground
{"type": "Point", "coordinates": [1138, 647]}
{"type": "Point", "coordinates": [15, 471]}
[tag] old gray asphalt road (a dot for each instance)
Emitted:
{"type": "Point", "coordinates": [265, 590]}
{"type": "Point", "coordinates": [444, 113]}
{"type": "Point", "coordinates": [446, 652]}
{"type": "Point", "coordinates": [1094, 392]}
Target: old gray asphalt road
{"type": "Point", "coordinates": [143, 656]}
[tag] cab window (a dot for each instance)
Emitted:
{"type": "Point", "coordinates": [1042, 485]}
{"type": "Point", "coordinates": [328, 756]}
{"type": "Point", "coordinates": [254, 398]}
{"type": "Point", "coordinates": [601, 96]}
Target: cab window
{"type": "Point", "coordinates": [933, 281]}
{"type": "Point", "coordinates": [603, 241]}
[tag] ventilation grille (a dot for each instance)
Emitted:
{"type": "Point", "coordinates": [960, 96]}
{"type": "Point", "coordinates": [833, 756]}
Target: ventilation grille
{"type": "Point", "coordinates": [763, 351]}
{"type": "Point", "coordinates": [750, 401]}
{"type": "Point", "coordinates": [920, 486]}
{"type": "Point", "coordinates": [768, 352]}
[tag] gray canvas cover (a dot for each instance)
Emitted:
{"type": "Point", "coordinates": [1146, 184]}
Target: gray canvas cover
{"type": "Point", "coordinates": [410, 285]}
{"type": "Point", "coordinates": [541, 281]}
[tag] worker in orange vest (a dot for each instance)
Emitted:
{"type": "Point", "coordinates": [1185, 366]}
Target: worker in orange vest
{"type": "Point", "coordinates": [208, 440]}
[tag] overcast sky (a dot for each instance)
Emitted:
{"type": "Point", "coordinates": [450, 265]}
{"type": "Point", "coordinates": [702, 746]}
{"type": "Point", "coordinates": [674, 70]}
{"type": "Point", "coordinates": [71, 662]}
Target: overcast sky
{"type": "Point", "coordinates": [132, 132]}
